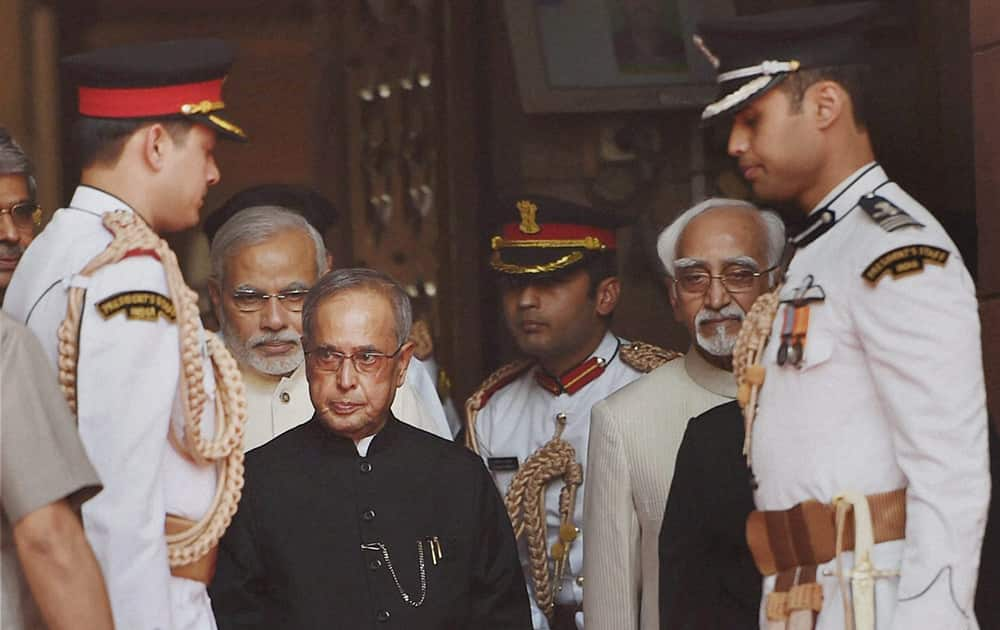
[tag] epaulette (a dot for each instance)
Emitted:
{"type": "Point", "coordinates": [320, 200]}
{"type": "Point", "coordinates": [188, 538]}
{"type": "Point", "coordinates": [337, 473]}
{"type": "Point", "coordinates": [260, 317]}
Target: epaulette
{"type": "Point", "coordinates": [493, 383]}
{"type": "Point", "coordinates": [645, 357]}
{"type": "Point", "coordinates": [888, 215]}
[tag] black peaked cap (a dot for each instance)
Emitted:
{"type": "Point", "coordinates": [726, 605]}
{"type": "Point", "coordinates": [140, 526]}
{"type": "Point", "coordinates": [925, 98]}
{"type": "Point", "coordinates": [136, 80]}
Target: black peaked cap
{"type": "Point", "coordinates": [317, 209]}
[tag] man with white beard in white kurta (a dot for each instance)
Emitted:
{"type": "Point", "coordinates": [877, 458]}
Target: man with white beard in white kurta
{"type": "Point", "coordinates": [264, 260]}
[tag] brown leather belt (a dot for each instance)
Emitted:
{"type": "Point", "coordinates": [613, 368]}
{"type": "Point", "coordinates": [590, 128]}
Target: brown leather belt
{"type": "Point", "coordinates": [806, 535]}
{"type": "Point", "coordinates": [201, 570]}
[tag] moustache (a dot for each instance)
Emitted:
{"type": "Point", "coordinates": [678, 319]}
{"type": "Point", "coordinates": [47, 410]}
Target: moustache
{"type": "Point", "coordinates": [730, 311]}
{"type": "Point", "coordinates": [11, 250]}
{"type": "Point", "coordinates": [286, 336]}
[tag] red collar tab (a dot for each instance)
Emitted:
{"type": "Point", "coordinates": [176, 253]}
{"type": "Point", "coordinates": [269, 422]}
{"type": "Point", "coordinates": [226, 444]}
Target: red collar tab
{"type": "Point", "coordinates": [141, 252]}
{"type": "Point", "coordinates": [574, 380]}
{"type": "Point", "coordinates": [187, 98]}
{"type": "Point", "coordinates": [557, 235]}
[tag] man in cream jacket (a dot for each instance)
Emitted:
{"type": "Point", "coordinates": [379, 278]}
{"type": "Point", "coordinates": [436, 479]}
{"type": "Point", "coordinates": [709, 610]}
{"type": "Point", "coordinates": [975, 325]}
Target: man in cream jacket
{"type": "Point", "coordinates": [717, 256]}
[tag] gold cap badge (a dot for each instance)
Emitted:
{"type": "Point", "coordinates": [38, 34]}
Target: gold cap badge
{"type": "Point", "coordinates": [528, 211]}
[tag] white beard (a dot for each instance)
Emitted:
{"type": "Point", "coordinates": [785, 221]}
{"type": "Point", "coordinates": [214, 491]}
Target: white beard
{"type": "Point", "coordinates": [245, 353]}
{"type": "Point", "coordinates": [721, 343]}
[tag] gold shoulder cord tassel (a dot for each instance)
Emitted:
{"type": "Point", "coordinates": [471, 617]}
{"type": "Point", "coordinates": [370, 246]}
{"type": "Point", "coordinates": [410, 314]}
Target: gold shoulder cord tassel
{"type": "Point", "coordinates": [746, 358]}
{"type": "Point", "coordinates": [526, 505]}
{"type": "Point", "coordinates": [225, 451]}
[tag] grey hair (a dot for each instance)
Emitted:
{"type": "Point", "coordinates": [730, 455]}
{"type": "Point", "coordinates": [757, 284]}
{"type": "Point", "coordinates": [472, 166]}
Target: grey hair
{"type": "Point", "coordinates": [254, 225]}
{"type": "Point", "coordinates": [666, 243]}
{"type": "Point", "coordinates": [359, 278]}
{"type": "Point", "coordinates": [14, 161]}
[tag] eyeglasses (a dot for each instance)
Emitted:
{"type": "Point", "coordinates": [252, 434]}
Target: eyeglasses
{"type": "Point", "coordinates": [327, 359]}
{"type": "Point", "coordinates": [250, 301]}
{"type": "Point", "coordinates": [25, 215]}
{"type": "Point", "coordinates": [734, 278]}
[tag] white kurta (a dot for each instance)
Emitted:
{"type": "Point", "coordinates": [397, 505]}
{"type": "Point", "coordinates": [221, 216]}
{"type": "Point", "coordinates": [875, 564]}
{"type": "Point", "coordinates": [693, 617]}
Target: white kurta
{"type": "Point", "coordinates": [127, 401]}
{"type": "Point", "coordinates": [890, 394]}
{"type": "Point", "coordinates": [277, 404]}
{"type": "Point", "coordinates": [519, 419]}
{"type": "Point", "coordinates": [634, 438]}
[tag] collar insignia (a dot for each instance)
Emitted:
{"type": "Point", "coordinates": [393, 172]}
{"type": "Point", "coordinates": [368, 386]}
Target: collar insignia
{"type": "Point", "coordinates": [821, 222]}
{"type": "Point", "coordinates": [574, 380]}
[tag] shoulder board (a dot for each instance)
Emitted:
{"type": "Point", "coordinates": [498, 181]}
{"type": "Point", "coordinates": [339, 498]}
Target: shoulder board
{"type": "Point", "coordinates": [497, 381]}
{"type": "Point", "coordinates": [645, 357]}
{"type": "Point", "coordinates": [888, 215]}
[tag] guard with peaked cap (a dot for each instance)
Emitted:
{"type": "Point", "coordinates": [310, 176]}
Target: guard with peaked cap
{"type": "Point", "coordinates": [861, 377]}
{"type": "Point", "coordinates": [530, 420]}
{"type": "Point", "coordinates": [159, 403]}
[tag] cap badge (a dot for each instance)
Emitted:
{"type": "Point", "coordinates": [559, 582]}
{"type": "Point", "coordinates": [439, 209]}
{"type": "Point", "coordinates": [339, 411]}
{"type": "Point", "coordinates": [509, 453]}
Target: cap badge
{"type": "Point", "coordinates": [528, 211]}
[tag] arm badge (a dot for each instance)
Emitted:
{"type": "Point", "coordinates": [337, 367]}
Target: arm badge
{"type": "Point", "coordinates": [141, 305]}
{"type": "Point", "coordinates": [904, 261]}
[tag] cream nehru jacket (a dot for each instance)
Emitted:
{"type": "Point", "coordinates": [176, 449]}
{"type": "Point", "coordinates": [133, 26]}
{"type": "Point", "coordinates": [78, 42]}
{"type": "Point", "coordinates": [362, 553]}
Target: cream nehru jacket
{"type": "Point", "coordinates": [634, 437]}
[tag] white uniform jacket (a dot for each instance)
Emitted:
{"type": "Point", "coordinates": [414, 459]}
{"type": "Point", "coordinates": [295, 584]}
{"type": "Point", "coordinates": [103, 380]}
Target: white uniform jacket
{"type": "Point", "coordinates": [127, 401]}
{"type": "Point", "coordinates": [634, 438]}
{"type": "Point", "coordinates": [519, 419]}
{"type": "Point", "coordinates": [889, 394]}
{"type": "Point", "coordinates": [275, 405]}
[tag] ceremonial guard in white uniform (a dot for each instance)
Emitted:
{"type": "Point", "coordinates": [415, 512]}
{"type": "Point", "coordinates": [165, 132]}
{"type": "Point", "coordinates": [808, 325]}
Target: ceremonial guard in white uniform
{"type": "Point", "coordinates": [159, 404]}
{"type": "Point", "coordinates": [530, 421]}
{"type": "Point", "coordinates": [868, 445]}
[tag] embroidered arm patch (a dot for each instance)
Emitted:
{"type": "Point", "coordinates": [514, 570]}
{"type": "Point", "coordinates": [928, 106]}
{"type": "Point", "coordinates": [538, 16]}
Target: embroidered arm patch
{"type": "Point", "coordinates": [141, 305]}
{"type": "Point", "coordinates": [904, 261]}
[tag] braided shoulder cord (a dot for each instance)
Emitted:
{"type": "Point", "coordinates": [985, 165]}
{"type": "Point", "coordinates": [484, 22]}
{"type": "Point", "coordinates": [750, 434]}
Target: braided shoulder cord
{"type": "Point", "coordinates": [525, 503]}
{"type": "Point", "coordinates": [225, 451]}
{"type": "Point", "coordinates": [749, 372]}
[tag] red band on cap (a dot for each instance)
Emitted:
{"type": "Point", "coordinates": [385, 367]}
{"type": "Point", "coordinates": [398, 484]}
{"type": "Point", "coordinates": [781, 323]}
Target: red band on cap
{"type": "Point", "coordinates": [149, 101]}
{"type": "Point", "coordinates": [561, 232]}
